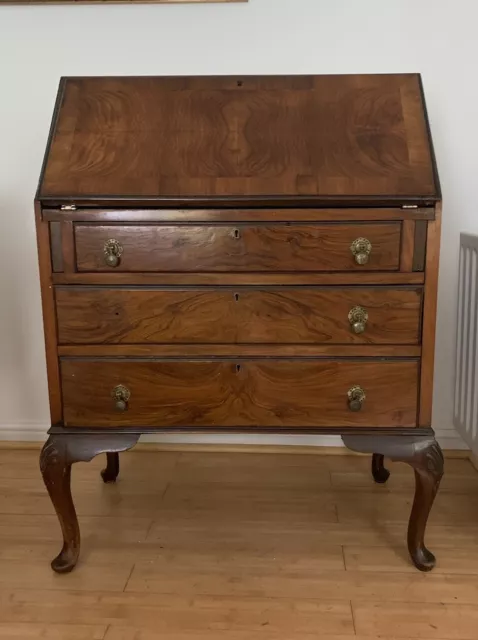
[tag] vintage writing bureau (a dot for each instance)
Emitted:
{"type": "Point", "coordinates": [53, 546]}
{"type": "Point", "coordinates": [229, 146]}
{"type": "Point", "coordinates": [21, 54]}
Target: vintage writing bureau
{"type": "Point", "coordinates": [240, 254]}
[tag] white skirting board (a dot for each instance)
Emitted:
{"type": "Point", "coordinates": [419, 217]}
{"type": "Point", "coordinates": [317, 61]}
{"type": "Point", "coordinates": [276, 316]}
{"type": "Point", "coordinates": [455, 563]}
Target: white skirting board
{"type": "Point", "coordinates": [36, 432]}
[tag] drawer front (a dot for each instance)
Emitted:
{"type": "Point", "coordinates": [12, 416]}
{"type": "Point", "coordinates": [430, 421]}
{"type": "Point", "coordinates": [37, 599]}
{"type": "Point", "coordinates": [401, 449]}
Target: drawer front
{"type": "Point", "coordinates": [246, 247]}
{"type": "Point", "coordinates": [240, 393]}
{"type": "Point", "coordinates": [270, 315]}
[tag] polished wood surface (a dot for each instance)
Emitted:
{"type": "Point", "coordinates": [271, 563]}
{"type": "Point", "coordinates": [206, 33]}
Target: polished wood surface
{"type": "Point", "coordinates": [408, 246]}
{"type": "Point", "coordinates": [246, 546]}
{"type": "Point", "coordinates": [285, 315]}
{"type": "Point", "coordinates": [273, 214]}
{"type": "Point", "coordinates": [238, 248]}
{"type": "Point", "coordinates": [248, 393]}
{"type": "Point", "coordinates": [429, 319]}
{"type": "Point", "coordinates": [49, 315]}
{"type": "Point", "coordinates": [251, 137]}
{"type": "Point", "coordinates": [428, 466]}
{"type": "Point", "coordinates": [420, 245]}
{"type": "Point", "coordinates": [68, 245]}
{"type": "Point", "coordinates": [56, 248]}
{"type": "Point", "coordinates": [203, 260]}
{"type": "Point", "coordinates": [56, 459]}
{"type": "Point", "coordinates": [231, 350]}
{"type": "Point", "coordinates": [253, 279]}
{"type": "Point", "coordinates": [426, 458]}
{"type": "Point", "coordinates": [55, 467]}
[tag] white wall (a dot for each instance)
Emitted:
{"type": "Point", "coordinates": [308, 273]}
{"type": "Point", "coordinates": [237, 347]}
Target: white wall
{"type": "Point", "coordinates": [38, 44]}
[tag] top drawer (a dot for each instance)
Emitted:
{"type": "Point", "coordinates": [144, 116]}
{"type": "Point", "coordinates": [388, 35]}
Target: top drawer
{"type": "Point", "coordinates": [241, 247]}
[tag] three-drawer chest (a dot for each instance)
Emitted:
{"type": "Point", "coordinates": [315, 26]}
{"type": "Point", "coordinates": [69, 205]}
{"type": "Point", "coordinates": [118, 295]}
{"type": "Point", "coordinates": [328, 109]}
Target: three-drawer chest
{"type": "Point", "coordinates": [240, 255]}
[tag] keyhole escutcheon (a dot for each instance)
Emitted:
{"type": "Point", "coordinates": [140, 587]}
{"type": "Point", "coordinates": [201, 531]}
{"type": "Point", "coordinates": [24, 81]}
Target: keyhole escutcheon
{"type": "Point", "coordinates": [236, 297]}
{"type": "Point", "coordinates": [237, 233]}
{"type": "Point", "coordinates": [238, 368]}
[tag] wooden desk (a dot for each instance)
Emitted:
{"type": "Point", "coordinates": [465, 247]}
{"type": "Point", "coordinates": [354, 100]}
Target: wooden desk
{"type": "Point", "coordinates": [240, 254]}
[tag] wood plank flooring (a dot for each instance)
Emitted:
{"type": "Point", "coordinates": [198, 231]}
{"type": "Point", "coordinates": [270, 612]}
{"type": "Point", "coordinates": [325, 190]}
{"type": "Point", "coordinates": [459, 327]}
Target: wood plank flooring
{"type": "Point", "coordinates": [237, 546]}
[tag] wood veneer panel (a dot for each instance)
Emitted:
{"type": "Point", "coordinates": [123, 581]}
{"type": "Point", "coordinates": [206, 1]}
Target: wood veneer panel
{"type": "Point", "coordinates": [248, 247]}
{"type": "Point", "coordinates": [429, 319]}
{"type": "Point", "coordinates": [228, 393]}
{"type": "Point", "coordinates": [281, 315]}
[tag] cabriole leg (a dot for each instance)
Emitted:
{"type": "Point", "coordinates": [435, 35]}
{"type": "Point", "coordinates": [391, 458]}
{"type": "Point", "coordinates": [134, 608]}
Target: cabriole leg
{"type": "Point", "coordinates": [58, 454]}
{"type": "Point", "coordinates": [379, 472]}
{"type": "Point", "coordinates": [111, 471]}
{"type": "Point", "coordinates": [428, 464]}
{"type": "Point", "coordinates": [55, 466]}
{"type": "Point", "coordinates": [424, 455]}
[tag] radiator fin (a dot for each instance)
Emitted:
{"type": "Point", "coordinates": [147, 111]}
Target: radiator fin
{"type": "Point", "coordinates": [465, 414]}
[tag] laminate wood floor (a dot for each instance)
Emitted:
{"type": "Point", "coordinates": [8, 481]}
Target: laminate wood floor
{"type": "Point", "coordinates": [237, 546]}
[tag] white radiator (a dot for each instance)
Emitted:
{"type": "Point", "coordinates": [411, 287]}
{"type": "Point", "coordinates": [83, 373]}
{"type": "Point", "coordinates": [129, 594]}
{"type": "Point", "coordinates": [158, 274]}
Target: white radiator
{"type": "Point", "coordinates": [465, 413]}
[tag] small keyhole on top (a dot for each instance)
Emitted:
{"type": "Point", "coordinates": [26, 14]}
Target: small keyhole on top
{"type": "Point", "coordinates": [238, 368]}
{"type": "Point", "coordinates": [239, 83]}
{"type": "Point", "coordinates": [236, 233]}
{"type": "Point", "coordinates": [236, 297]}
{"type": "Point", "coordinates": [116, 313]}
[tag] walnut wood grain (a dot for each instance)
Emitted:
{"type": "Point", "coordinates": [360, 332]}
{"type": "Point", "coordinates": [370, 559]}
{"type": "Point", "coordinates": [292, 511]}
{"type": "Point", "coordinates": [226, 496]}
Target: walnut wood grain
{"type": "Point", "coordinates": [236, 200]}
{"type": "Point", "coordinates": [68, 242]}
{"type": "Point", "coordinates": [49, 315]}
{"type": "Point", "coordinates": [56, 247]}
{"type": "Point", "coordinates": [429, 319]}
{"type": "Point", "coordinates": [252, 279]}
{"type": "Point", "coordinates": [407, 246]}
{"type": "Point", "coordinates": [234, 393]}
{"type": "Point", "coordinates": [420, 245]}
{"type": "Point", "coordinates": [236, 316]}
{"type": "Point", "coordinates": [248, 247]}
{"type": "Point", "coordinates": [299, 137]}
{"type": "Point", "coordinates": [240, 215]}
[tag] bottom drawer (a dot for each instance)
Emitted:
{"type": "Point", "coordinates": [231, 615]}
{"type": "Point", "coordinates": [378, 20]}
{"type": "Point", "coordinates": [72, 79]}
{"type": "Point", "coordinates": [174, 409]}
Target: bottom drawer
{"type": "Point", "coordinates": [240, 393]}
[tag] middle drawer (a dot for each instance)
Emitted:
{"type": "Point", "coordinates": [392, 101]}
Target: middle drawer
{"type": "Point", "coordinates": [243, 315]}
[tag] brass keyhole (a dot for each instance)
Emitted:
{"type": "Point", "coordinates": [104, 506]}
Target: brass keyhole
{"type": "Point", "coordinates": [237, 233]}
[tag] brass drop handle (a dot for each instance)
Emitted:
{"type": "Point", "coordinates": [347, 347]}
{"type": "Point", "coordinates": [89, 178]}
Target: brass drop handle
{"type": "Point", "coordinates": [358, 318]}
{"type": "Point", "coordinates": [112, 250]}
{"type": "Point", "coordinates": [361, 249]}
{"type": "Point", "coordinates": [356, 397]}
{"type": "Point", "coordinates": [121, 395]}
